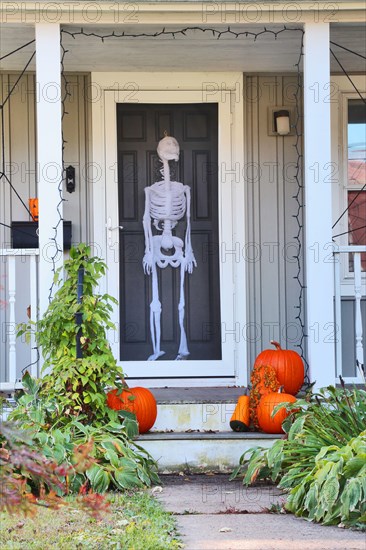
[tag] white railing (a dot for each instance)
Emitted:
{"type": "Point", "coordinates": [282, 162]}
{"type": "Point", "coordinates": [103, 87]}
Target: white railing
{"type": "Point", "coordinates": [353, 285]}
{"type": "Point", "coordinates": [10, 259]}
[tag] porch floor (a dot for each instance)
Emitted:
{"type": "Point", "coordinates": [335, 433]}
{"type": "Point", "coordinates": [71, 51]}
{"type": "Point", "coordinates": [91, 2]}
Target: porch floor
{"type": "Point", "coordinates": [197, 395]}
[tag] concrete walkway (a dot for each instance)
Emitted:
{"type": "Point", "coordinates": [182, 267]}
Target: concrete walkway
{"type": "Point", "coordinates": [215, 514]}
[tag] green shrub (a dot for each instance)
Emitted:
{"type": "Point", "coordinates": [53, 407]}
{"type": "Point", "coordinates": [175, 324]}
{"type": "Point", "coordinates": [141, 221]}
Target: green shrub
{"type": "Point", "coordinates": [327, 438]}
{"type": "Point", "coordinates": [66, 411]}
{"type": "Point", "coordinates": [78, 385]}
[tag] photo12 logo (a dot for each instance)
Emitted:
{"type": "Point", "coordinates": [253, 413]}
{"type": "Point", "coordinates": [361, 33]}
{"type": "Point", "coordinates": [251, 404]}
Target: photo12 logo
{"type": "Point", "coordinates": [68, 12]}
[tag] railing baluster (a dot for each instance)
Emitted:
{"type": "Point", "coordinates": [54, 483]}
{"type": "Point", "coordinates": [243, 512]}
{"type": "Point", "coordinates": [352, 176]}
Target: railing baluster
{"type": "Point", "coordinates": [34, 312]}
{"type": "Point", "coordinates": [338, 311]}
{"type": "Point", "coordinates": [11, 325]}
{"type": "Point", "coordinates": [358, 314]}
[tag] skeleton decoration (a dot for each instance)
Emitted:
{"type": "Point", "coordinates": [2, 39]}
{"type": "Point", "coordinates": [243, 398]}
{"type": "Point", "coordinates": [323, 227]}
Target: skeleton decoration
{"type": "Point", "coordinates": [166, 203]}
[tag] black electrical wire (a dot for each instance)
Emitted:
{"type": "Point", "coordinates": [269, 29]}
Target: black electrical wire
{"type": "Point", "coordinates": [348, 207]}
{"type": "Point", "coordinates": [347, 49]}
{"type": "Point", "coordinates": [17, 50]}
{"type": "Point", "coordinates": [347, 75]}
{"type": "Point", "coordinates": [298, 216]}
{"type": "Point", "coordinates": [3, 175]}
{"type": "Point", "coordinates": [350, 231]}
{"type": "Point", "coordinates": [16, 82]}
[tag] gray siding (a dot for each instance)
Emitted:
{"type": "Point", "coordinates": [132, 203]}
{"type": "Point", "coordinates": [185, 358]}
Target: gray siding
{"type": "Point", "coordinates": [271, 227]}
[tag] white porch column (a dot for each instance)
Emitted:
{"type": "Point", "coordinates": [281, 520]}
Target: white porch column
{"type": "Point", "coordinates": [318, 205]}
{"type": "Point", "coordinates": [49, 151]}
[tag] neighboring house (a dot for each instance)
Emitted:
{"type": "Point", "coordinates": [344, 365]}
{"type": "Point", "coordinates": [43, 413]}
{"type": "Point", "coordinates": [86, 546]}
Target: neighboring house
{"type": "Point", "coordinates": [263, 204]}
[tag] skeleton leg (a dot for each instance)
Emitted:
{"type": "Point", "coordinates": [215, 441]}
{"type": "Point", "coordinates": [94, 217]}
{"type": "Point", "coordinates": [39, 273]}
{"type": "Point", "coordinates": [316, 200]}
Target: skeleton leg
{"type": "Point", "coordinates": [183, 347]}
{"type": "Point", "coordinates": [155, 316]}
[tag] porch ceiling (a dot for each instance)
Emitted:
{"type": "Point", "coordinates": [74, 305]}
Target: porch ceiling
{"type": "Point", "coordinates": [195, 52]}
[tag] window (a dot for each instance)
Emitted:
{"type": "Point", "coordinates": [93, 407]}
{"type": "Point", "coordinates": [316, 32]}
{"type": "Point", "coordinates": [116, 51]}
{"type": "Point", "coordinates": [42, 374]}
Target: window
{"type": "Point", "coordinates": [356, 176]}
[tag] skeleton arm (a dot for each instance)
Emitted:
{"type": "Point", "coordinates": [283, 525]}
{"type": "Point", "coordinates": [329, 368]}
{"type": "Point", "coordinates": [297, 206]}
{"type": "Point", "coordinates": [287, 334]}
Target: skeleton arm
{"type": "Point", "coordinates": [190, 260]}
{"type": "Point", "coordinates": [147, 260]}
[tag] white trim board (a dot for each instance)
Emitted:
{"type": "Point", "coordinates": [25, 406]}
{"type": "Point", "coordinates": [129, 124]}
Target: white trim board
{"type": "Point", "coordinates": [225, 90]}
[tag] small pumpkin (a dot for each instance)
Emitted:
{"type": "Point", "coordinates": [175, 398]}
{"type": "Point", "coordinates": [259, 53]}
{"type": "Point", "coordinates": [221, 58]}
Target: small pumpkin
{"type": "Point", "coordinates": [138, 400]}
{"type": "Point", "coordinates": [288, 365]}
{"type": "Point", "coordinates": [263, 380]}
{"type": "Point", "coordinates": [269, 424]}
{"type": "Point", "coordinates": [240, 420]}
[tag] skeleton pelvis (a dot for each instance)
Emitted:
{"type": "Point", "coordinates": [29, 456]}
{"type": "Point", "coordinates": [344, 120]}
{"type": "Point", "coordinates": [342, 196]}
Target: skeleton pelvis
{"type": "Point", "coordinates": [175, 254]}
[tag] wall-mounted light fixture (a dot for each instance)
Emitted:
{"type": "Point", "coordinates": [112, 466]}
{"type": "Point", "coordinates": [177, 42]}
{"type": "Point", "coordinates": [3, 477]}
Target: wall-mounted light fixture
{"type": "Point", "coordinates": [282, 122]}
{"type": "Point", "coordinates": [70, 179]}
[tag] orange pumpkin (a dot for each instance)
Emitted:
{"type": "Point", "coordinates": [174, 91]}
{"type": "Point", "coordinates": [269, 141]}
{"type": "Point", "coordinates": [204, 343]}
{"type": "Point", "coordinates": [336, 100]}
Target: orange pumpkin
{"type": "Point", "coordinates": [240, 420]}
{"type": "Point", "coordinates": [288, 365]}
{"type": "Point", "coordinates": [263, 380]}
{"type": "Point", "coordinates": [269, 424]}
{"type": "Point", "coordinates": [137, 400]}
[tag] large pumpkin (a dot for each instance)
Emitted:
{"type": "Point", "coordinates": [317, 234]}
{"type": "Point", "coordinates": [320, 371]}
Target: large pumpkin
{"type": "Point", "coordinates": [137, 400]}
{"type": "Point", "coordinates": [240, 420]}
{"type": "Point", "coordinates": [269, 424]}
{"type": "Point", "coordinates": [288, 365]}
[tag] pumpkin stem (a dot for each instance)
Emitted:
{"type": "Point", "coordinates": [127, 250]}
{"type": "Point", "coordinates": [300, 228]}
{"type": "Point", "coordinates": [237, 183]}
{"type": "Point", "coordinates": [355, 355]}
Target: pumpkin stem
{"type": "Point", "coordinates": [281, 389]}
{"type": "Point", "coordinates": [276, 344]}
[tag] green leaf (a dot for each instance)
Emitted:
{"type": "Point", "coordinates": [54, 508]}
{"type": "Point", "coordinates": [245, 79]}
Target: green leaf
{"type": "Point", "coordinates": [311, 502]}
{"type": "Point", "coordinates": [30, 383]}
{"type": "Point", "coordinates": [131, 427]}
{"type": "Point", "coordinates": [330, 491]}
{"type": "Point", "coordinates": [99, 479]}
{"type": "Point", "coordinates": [143, 476]}
{"type": "Point", "coordinates": [126, 479]}
{"type": "Point", "coordinates": [296, 428]}
{"type": "Point", "coordinates": [351, 497]}
{"type": "Point", "coordinates": [354, 466]}
{"type": "Point", "coordinates": [112, 456]}
{"type": "Point", "coordinates": [322, 473]}
{"type": "Point", "coordinates": [59, 453]}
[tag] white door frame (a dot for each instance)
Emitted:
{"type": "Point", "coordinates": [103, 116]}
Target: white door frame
{"type": "Point", "coordinates": [225, 89]}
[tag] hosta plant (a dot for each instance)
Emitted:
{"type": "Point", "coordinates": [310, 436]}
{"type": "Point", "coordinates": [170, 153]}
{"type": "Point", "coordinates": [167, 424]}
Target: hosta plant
{"type": "Point", "coordinates": [335, 490]}
{"type": "Point", "coordinates": [108, 458]}
{"type": "Point", "coordinates": [98, 456]}
{"type": "Point", "coordinates": [327, 439]}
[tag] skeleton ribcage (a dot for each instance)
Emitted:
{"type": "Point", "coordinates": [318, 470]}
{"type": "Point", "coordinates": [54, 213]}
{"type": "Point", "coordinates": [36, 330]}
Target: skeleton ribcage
{"type": "Point", "coordinates": [169, 205]}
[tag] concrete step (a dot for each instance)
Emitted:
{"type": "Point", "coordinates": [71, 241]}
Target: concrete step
{"type": "Point", "coordinates": [197, 452]}
{"type": "Point", "coordinates": [203, 409]}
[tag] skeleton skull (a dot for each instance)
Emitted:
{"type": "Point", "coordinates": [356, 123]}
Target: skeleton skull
{"type": "Point", "coordinates": [168, 149]}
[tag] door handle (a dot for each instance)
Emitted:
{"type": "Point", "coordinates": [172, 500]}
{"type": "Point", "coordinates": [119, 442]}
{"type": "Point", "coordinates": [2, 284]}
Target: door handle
{"type": "Point", "coordinates": [110, 228]}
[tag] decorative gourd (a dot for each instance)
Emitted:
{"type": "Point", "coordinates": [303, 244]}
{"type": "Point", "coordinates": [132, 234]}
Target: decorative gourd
{"type": "Point", "coordinates": [288, 365]}
{"type": "Point", "coordinates": [269, 424]}
{"type": "Point", "coordinates": [137, 400]}
{"type": "Point", "coordinates": [240, 420]}
{"type": "Point", "coordinates": [263, 380]}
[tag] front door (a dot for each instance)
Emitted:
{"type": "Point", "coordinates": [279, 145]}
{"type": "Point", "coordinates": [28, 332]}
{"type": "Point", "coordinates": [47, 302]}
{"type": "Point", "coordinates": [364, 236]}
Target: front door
{"type": "Point", "coordinates": [126, 135]}
{"type": "Point", "coordinates": [139, 129]}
